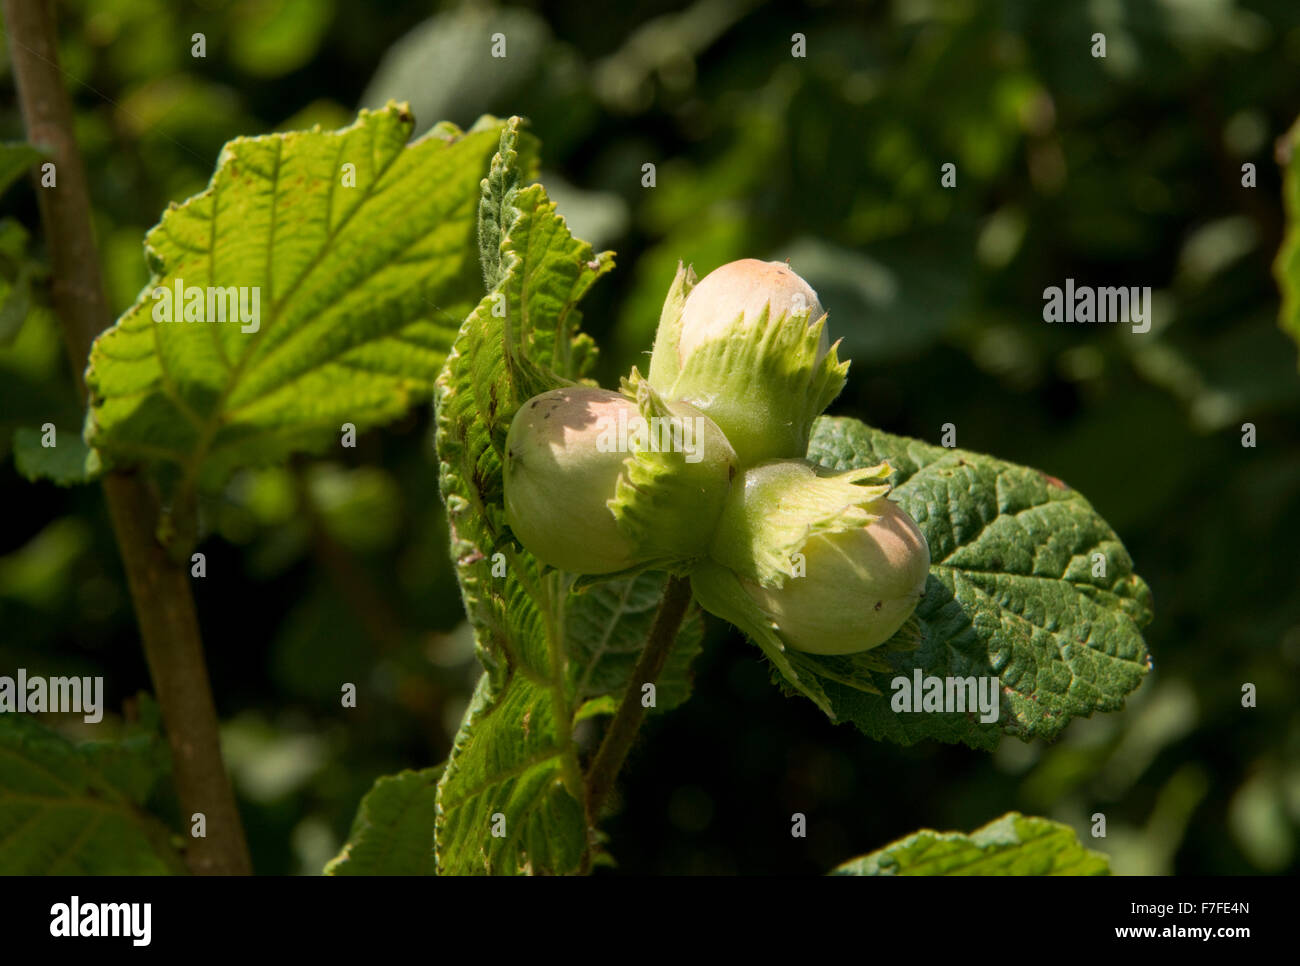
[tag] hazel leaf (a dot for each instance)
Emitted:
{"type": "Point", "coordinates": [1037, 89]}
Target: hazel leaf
{"type": "Point", "coordinates": [78, 809]}
{"type": "Point", "coordinates": [352, 254]}
{"type": "Point", "coordinates": [392, 833]}
{"type": "Point", "coordinates": [1028, 585]}
{"type": "Point", "coordinates": [69, 463]}
{"type": "Point", "coordinates": [1015, 844]}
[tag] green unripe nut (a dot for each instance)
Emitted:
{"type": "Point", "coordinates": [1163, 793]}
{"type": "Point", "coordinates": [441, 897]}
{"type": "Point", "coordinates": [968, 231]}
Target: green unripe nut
{"type": "Point", "coordinates": [853, 586]}
{"type": "Point", "coordinates": [747, 344]}
{"type": "Point", "coordinates": [741, 290]}
{"type": "Point", "coordinates": [593, 487]}
{"type": "Point", "coordinates": [860, 586]}
{"type": "Point", "coordinates": [557, 481]}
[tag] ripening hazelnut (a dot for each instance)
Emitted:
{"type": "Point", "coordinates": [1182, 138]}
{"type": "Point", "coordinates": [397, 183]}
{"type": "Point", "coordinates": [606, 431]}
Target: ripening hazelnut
{"type": "Point", "coordinates": [742, 289]}
{"type": "Point", "coordinates": [747, 345]}
{"type": "Point", "coordinates": [862, 561]}
{"type": "Point", "coordinates": [569, 460]}
{"type": "Point", "coordinates": [557, 481]}
{"type": "Point", "coordinates": [859, 588]}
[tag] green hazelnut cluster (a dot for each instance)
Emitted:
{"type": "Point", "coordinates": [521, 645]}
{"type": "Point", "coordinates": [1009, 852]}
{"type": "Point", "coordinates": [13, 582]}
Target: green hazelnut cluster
{"type": "Point", "coordinates": [699, 468]}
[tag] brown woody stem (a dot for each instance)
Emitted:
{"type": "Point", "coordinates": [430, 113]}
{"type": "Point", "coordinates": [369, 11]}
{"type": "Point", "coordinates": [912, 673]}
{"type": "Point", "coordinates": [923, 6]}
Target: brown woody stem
{"type": "Point", "coordinates": [160, 589]}
{"type": "Point", "coordinates": [627, 720]}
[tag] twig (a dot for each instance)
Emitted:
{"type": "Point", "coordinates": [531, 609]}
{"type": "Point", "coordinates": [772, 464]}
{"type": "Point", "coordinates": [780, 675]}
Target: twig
{"type": "Point", "coordinates": [160, 590]}
{"type": "Point", "coordinates": [627, 720]}
{"type": "Point", "coordinates": [169, 627]}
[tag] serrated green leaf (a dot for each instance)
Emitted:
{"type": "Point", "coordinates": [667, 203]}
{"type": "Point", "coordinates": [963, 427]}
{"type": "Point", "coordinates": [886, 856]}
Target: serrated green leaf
{"type": "Point", "coordinates": [361, 249]}
{"type": "Point", "coordinates": [15, 158]}
{"type": "Point", "coordinates": [1015, 844]}
{"type": "Point", "coordinates": [549, 652]}
{"type": "Point", "coordinates": [68, 463]}
{"type": "Point", "coordinates": [1011, 594]}
{"type": "Point", "coordinates": [75, 809]}
{"type": "Point", "coordinates": [393, 831]}
{"type": "Point", "coordinates": [137, 759]}
{"type": "Point", "coordinates": [497, 211]}
{"type": "Point", "coordinates": [510, 801]}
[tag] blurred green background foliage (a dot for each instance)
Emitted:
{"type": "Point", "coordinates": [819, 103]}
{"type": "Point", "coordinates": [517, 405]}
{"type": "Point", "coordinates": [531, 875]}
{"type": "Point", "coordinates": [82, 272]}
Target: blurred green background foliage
{"type": "Point", "coordinates": [1117, 171]}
